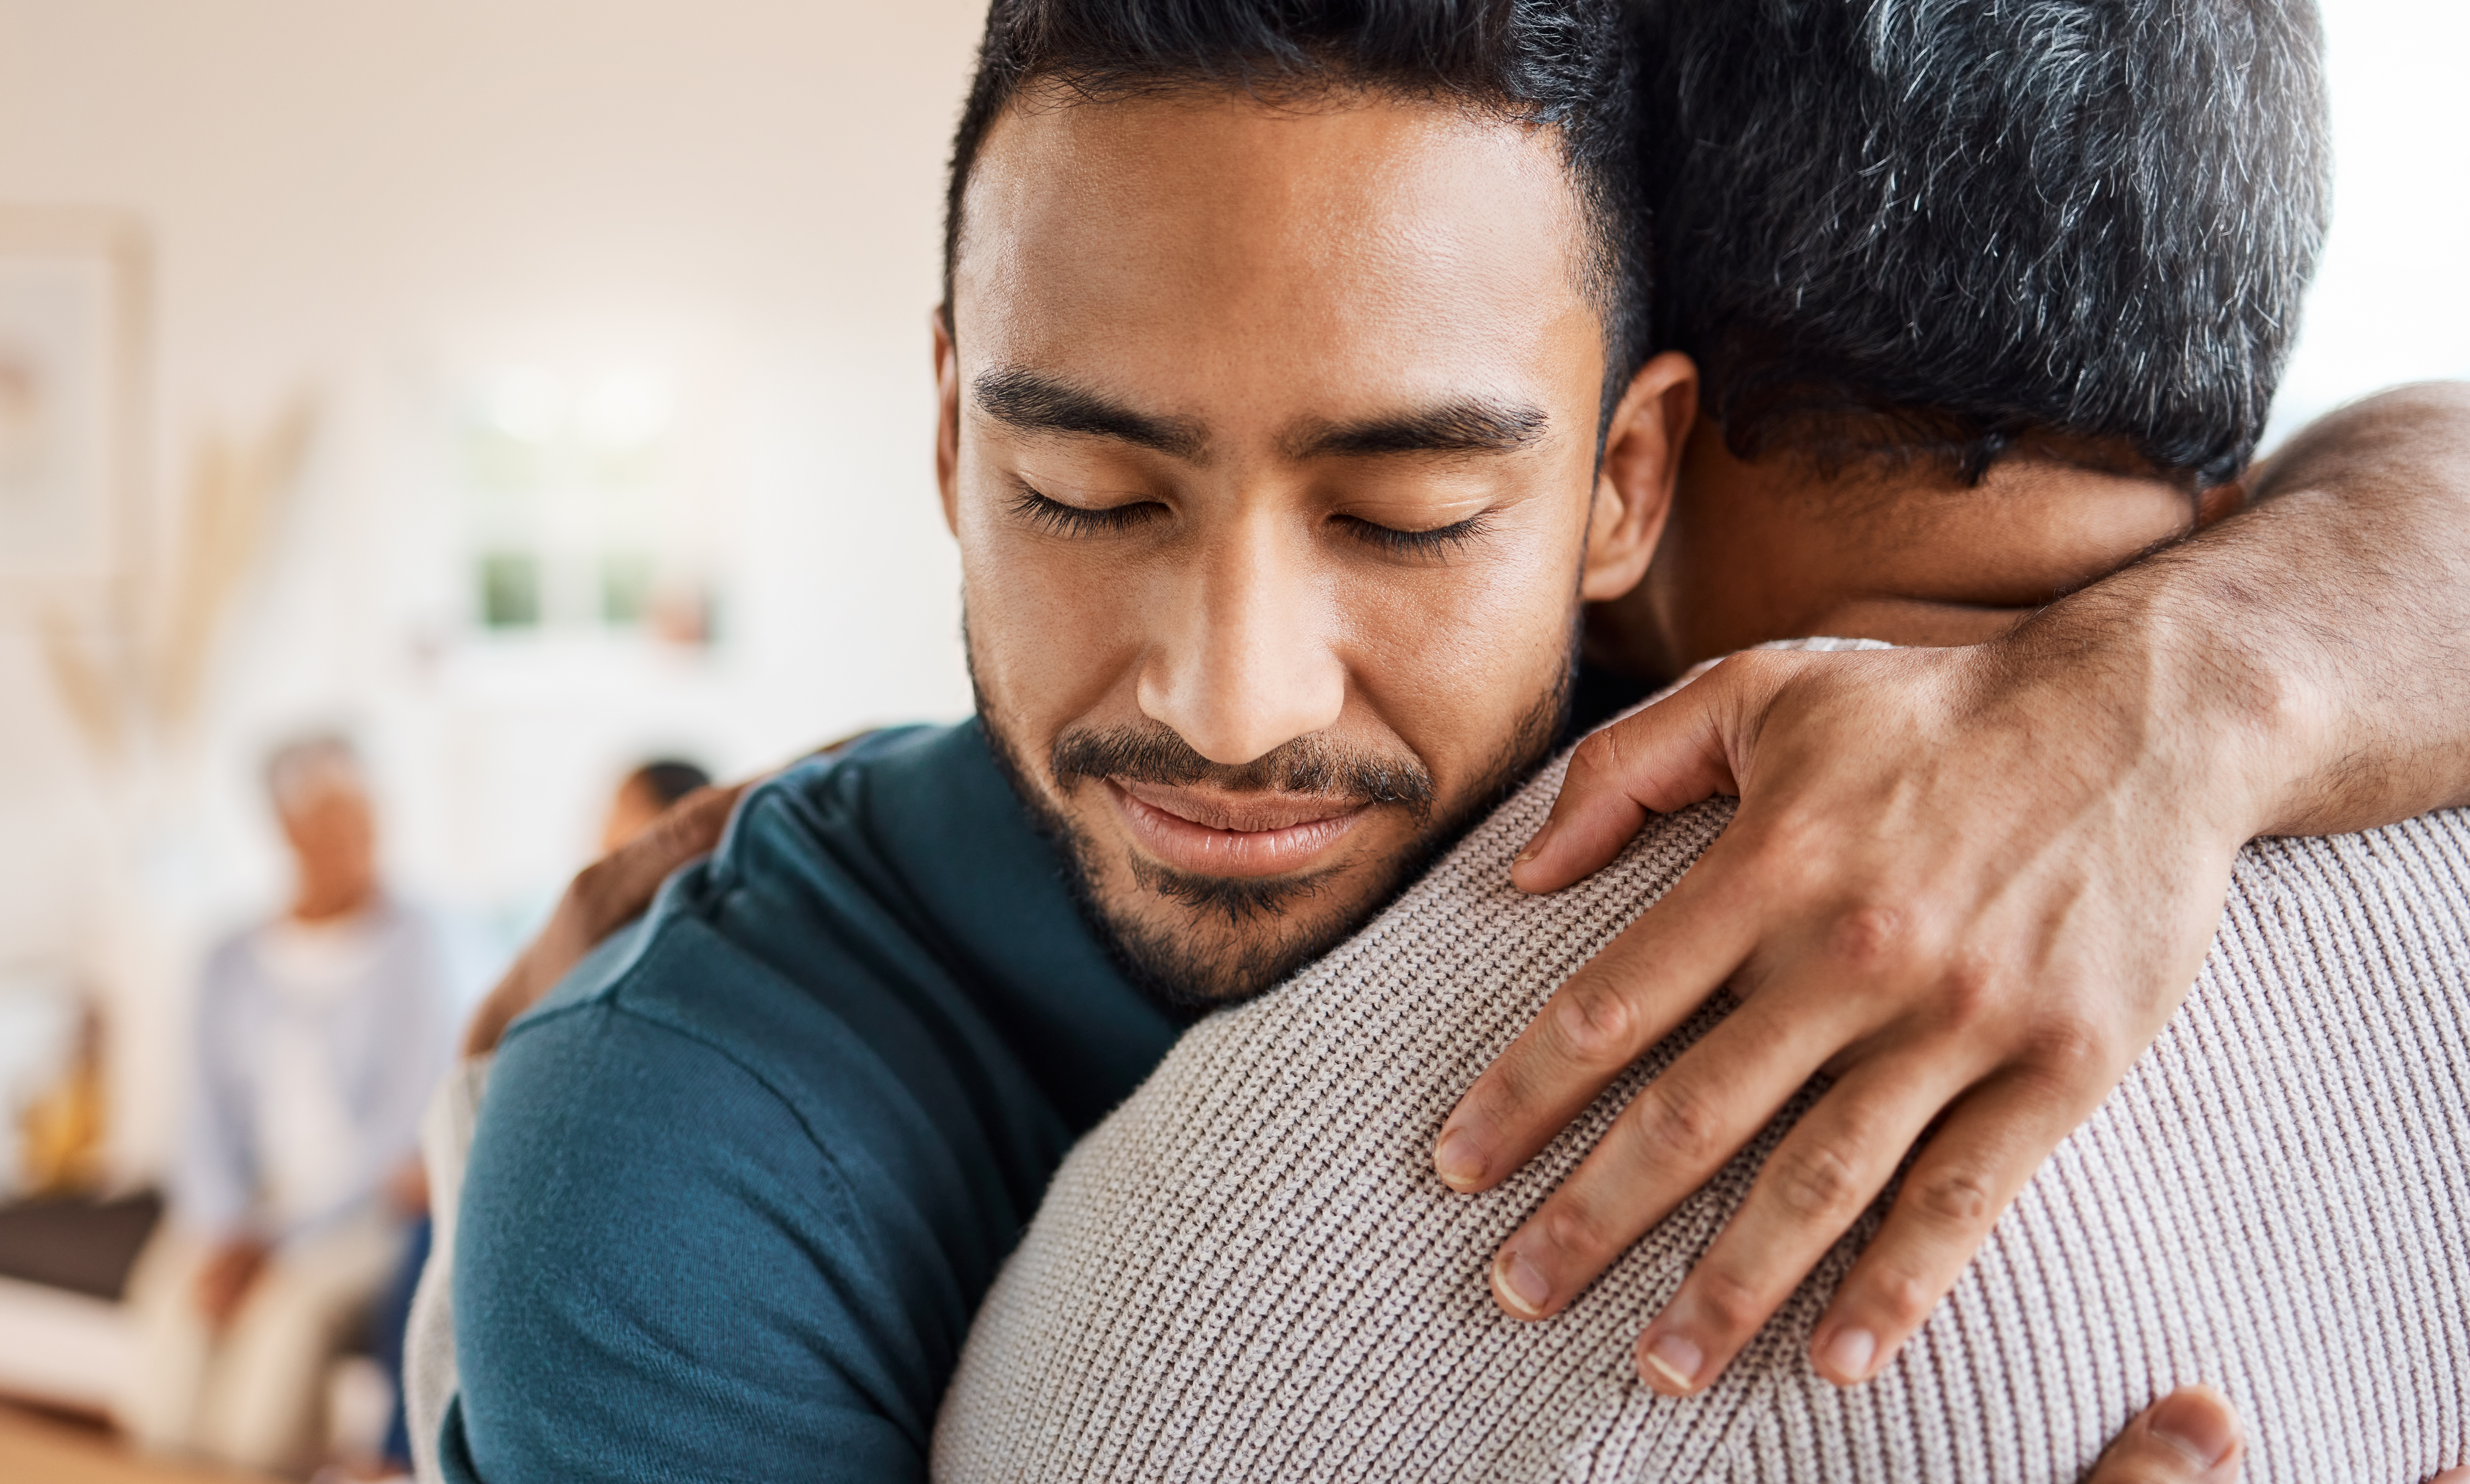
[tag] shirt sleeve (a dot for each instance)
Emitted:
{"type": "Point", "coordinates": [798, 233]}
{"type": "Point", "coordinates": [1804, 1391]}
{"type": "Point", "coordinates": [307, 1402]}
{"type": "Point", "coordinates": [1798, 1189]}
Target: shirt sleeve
{"type": "Point", "coordinates": [419, 1034]}
{"type": "Point", "coordinates": [660, 1274]}
{"type": "Point", "coordinates": [213, 1176]}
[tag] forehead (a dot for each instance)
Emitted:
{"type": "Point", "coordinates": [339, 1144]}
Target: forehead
{"type": "Point", "coordinates": [1205, 235]}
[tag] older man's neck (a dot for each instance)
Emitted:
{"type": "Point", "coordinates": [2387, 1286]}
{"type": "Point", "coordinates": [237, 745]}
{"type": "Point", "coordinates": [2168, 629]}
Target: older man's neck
{"type": "Point", "coordinates": [1905, 551]}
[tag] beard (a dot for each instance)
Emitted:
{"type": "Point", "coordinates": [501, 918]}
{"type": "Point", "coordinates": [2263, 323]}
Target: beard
{"type": "Point", "coordinates": [1240, 936]}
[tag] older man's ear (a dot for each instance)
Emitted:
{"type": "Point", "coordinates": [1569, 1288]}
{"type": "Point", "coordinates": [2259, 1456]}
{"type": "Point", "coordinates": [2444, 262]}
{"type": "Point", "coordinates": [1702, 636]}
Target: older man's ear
{"type": "Point", "coordinates": [1633, 485]}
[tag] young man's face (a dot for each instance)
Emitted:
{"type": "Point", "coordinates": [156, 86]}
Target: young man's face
{"type": "Point", "coordinates": [1269, 440]}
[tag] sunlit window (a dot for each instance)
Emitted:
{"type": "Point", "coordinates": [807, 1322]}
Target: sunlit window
{"type": "Point", "coordinates": [577, 506]}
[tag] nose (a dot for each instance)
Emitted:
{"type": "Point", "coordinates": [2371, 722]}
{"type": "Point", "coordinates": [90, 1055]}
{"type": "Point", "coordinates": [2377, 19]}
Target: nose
{"type": "Point", "coordinates": [1243, 657]}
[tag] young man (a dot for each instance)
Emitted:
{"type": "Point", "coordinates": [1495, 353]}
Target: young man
{"type": "Point", "coordinates": [1295, 397]}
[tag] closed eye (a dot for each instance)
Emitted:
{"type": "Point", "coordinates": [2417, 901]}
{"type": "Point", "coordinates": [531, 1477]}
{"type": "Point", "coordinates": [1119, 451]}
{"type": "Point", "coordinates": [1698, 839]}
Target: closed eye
{"type": "Point", "coordinates": [1439, 542]}
{"type": "Point", "coordinates": [1063, 519]}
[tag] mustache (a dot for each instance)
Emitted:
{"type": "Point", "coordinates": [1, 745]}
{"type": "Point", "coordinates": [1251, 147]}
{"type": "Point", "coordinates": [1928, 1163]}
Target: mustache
{"type": "Point", "coordinates": [1301, 765]}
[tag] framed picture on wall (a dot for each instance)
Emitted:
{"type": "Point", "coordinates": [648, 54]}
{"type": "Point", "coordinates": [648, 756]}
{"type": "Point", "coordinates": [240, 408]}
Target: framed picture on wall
{"type": "Point", "coordinates": [72, 334]}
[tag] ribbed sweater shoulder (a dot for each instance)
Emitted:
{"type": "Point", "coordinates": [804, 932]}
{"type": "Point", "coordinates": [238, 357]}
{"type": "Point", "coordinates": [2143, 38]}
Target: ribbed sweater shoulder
{"type": "Point", "coordinates": [1249, 1270]}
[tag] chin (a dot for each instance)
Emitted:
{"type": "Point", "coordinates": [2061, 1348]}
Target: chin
{"type": "Point", "coordinates": [1198, 942]}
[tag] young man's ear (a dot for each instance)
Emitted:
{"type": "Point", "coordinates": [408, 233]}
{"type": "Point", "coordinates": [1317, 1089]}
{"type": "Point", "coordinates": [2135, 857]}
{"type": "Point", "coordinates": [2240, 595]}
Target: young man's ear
{"type": "Point", "coordinates": [1634, 489]}
{"type": "Point", "coordinates": [947, 415]}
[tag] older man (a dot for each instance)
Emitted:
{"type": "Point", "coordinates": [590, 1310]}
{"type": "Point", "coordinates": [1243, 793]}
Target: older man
{"type": "Point", "coordinates": [1297, 392]}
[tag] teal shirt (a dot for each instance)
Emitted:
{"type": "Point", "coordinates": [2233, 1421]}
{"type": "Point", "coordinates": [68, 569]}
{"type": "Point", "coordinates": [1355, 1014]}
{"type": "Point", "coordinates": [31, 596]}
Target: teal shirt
{"type": "Point", "coordinates": [741, 1181]}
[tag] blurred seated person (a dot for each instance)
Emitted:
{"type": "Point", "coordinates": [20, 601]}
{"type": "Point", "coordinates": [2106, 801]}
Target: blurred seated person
{"type": "Point", "coordinates": [645, 794]}
{"type": "Point", "coordinates": [318, 1036]}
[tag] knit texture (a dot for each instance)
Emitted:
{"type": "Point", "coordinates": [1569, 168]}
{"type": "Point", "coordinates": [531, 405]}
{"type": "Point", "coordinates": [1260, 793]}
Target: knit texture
{"type": "Point", "coordinates": [1251, 1271]}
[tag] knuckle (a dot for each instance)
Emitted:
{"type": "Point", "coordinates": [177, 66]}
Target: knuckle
{"type": "Point", "coordinates": [1817, 1185]}
{"type": "Point", "coordinates": [1502, 1096]}
{"type": "Point", "coordinates": [2069, 1049]}
{"type": "Point", "coordinates": [1677, 1126]}
{"type": "Point", "coordinates": [1595, 760]}
{"type": "Point", "coordinates": [1755, 669]}
{"type": "Point", "coordinates": [1957, 1198]}
{"type": "Point", "coordinates": [1573, 1227]}
{"type": "Point", "coordinates": [1970, 993]}
{"type": "Point", "coordinates": [1901, 1300]}
{"type": "Point", "coordinates": [1501, 1092]}
{"type": "Point", "coordinates": [1869, 937]}
{"type": "Point", "coordinates": [1593, 1021]}
{"type": "Point", "coordinates": [1730, 1305]}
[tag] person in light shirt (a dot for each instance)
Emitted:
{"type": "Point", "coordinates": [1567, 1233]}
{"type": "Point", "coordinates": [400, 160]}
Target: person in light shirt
{"type": "Point", "coordinates": [317, 1037]}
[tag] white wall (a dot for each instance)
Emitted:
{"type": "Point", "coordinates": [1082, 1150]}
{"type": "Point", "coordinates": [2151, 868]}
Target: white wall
{"type": "Point", "coordinates": [380, 202]}
{"type": "Point", "coordinates": [2391, 301]}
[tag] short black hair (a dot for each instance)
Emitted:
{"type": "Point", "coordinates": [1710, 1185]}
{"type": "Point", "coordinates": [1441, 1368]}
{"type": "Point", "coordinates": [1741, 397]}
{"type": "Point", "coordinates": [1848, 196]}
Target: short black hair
{"type": "Point", "coordinates": [1960, 223]}
{"type": "Point", "coordinates": [1568, 64]}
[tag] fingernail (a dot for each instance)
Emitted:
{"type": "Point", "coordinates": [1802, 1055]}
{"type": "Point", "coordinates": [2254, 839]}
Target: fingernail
{"type": "Point", "coordinates": [1535, 843]}
{"type": "Point", "coordinates": [1846, 1356]}
{"type": "Point", "coordinates": [2198, 1425]}
{"type": "Point", "coordinates": [1522, 1283]}
{"type": "Point", "coordinates": [1457, 1161]}
{"type": "Point", "coordinates": [1676, 1360]}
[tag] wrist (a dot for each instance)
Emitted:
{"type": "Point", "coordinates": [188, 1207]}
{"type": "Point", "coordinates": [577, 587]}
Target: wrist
{"type": "Point", "coordinates": [2211, 714]}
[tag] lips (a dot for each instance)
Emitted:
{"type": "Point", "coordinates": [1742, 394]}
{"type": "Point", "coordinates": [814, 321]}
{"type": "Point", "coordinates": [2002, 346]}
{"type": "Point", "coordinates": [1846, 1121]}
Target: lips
{"type": "Point", "coordinates": [1213, 834]}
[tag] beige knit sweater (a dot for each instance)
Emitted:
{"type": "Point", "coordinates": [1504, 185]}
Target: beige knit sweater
{"type": "Point", "coordinates": [1249, 1270]}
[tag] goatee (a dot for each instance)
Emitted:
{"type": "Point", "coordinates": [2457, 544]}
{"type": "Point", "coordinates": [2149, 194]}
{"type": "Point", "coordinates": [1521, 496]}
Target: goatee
{"type": "Point", "coordinates": [1246, 934]}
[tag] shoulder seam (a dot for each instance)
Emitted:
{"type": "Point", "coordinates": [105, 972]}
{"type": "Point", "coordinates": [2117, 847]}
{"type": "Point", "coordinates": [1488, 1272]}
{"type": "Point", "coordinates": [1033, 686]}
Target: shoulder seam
{"type": "Point", "coordinates": [605, 1001]}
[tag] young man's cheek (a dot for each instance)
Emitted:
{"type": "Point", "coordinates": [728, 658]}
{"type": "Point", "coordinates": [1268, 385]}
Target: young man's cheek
{"type": "Point", "coordinates": [1052, 644]}
{"type": "Point", "coordinates": [1460, 661]}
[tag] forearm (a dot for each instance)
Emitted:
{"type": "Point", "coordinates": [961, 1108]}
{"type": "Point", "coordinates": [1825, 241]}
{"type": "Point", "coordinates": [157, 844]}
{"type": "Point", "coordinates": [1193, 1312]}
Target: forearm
{"type": "Point", "coordinates": [2317, 643]}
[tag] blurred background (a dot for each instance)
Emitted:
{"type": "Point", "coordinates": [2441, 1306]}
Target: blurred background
{"type": "Point", "coordinates": [527, 391]}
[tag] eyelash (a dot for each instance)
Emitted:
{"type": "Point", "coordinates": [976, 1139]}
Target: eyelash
{"type": "Point", "coordinates": [1079, 521]}
{"type": "Point", "coordinates": [1076, 520]}
{"type": "Point", "coordinates": [1440, 540]}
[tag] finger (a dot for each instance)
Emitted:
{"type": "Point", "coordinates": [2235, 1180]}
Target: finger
{"type": "Point", "coordinates": [1818, 1181]}
{"type": "Point", "coordinates": [1678, 1130]}
{"type": "Point", "coordinates": [1667, 757]}
{"type": "Point", "coordinates": [1993, 1141]}
{"type": "Point", "coordinates": [1603, 1017]}
{"type": "Point", "coordinates": [2190, 1436]}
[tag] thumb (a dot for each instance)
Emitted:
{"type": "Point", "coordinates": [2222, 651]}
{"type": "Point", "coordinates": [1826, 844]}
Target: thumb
{"type": "Point", "coordinates": [2190, 1436]}
{"type": "Point", "coordinates": [1674, 752]}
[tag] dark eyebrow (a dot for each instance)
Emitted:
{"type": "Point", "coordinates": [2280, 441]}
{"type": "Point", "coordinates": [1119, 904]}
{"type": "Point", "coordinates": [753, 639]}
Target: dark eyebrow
{"type": "Point", "coordinates": [1032, 404]}
{"type": "Point", "coordinates": [1470, 427]}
